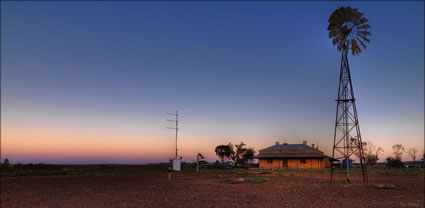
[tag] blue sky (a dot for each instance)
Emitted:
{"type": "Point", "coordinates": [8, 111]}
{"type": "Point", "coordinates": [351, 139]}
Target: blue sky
{"type": "Point", "coordinates": [256, 72]}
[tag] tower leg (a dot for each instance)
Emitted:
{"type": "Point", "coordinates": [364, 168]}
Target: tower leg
{"type": "Point", "coordinates": [345, 143]}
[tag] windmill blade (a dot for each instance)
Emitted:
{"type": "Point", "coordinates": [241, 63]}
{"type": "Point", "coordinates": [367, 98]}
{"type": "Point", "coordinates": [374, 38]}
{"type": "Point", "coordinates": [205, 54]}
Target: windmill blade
{"type": "Point", "coordinates": [364, 38]}
{"type": "Point", "coordinates": [357, 17]}
{"type": "Point", "coordinates": [340, 13]}
{"type": "Point", "coordinates": [355, 46]}
{"type": "Point", "coordinates": [366, 26]}
{"type": "Point", "coordinates": [336, 40]}
{"type": "Point", "coordinates": [354, 43]}
{"type": "Point", "coordinates": [334, 14]}
{"type": "Point", "coordinates": [354, 13]}
{"type": "Point", "coordinates": [365, 33]}
{"type": "Point", "coordinates": [333, 20]}
{"type": "Point", "coordinates": [346, 13]}
{"type": "Point", "coordinates": [361, 21]}
{"type": "Point", "coordinates": [361, 42]}
{"type": "Point", "coordinates": [351, 15]}
{"type": "Point", "coordinates": [339, 17]}
{"type": "Point", "coordinates": [358, 50]}
{"type": "Point", "coordinates": [339, 47]}
{"type": "Point", "coordinates": [334, 33]}
{"type": "Point", "coordinates": [341, 43]}
{"type": "Point", "coordinates": [334, 27]}
{"type": "Point", "coordinates": [353, 51]}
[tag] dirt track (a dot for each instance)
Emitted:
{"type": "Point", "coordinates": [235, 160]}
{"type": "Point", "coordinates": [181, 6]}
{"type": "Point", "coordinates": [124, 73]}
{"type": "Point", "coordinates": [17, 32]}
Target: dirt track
{"type": "Point", "coordinates": [208, 189]}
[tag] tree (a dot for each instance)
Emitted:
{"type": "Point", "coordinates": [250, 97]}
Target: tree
{"type": "Point", "coordinates": [238, 153]}
{"type": "Point", "coordinates": [394, 162]}
{"type": "Point", "coordinates": [423, 154]}
{"type": "Point", "coordinates": [224, 151]}
{"type": "Point", "coordinates": [371, 149]}
{"type": "Point", "coordinates": [371, 160]}
{"type": "Point", "coordinates": [398, 150]}
{"type": "Point", "coordinates": [371, 153]}
{"type": "Point", "coordinates": [6, 165]}
{"type": "Point", "coordinates": [247, 157]}
{"type": "Point", "coordinates": [412, 153]}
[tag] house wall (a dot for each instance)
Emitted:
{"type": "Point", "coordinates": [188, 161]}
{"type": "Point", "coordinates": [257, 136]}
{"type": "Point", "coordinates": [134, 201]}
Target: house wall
{"type": "Point", "coordinates": [327, 163]}
{"type": "Point", "coordinates": [294, 164]}
{"type": "Point", "coordinates": [276, 164]}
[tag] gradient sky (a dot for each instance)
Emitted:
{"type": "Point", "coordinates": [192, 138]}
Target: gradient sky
{"type": "Point", "coordinates": [90, 82]}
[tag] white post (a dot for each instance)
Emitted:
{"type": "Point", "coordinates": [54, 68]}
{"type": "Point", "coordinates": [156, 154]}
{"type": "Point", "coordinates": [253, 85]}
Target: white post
{"type": "Point", "coordinates": [169, 173]}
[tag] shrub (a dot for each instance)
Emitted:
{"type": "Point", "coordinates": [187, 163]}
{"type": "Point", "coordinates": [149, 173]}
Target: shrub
{"type": "Point", "coordinates": [394, 162]}
{"type": "Point", "coordinates": [6, 166]}
{"type": "Point", "coordinates": [256, 180]}
{"type": "Point", "coordinates": [385, 186]}
{"type": "Point", "coordinates": [246, 180]}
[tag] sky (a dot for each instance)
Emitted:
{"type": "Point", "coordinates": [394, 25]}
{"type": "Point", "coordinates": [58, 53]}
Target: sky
{"type": "Point", "coordinates": [91, 82]}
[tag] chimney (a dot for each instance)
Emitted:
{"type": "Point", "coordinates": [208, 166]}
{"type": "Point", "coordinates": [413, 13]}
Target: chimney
{"type": "Point", "coordinates": [277, 143]}
{"type": "Point", "coordinates": [304, 142]}
{"type": "Point", "coordinates": [285, 143]}
{"type": "Point", "coordinates": [312, 145]}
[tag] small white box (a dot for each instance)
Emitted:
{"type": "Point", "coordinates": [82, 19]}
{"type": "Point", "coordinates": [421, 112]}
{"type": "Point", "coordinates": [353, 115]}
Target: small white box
{"type": "Point", "coordinates": [176, 164]}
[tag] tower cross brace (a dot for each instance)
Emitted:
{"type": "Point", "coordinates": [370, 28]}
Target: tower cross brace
{"type": "Point", "coordinates": [347, 136]}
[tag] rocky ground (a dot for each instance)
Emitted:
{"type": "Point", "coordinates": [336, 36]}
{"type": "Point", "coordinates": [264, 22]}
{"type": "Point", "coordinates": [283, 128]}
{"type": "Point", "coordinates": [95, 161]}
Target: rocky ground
{"type": "Point", "coordinates": [211, 188]}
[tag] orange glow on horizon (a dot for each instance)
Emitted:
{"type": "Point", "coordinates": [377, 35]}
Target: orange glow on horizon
{"type": "Point", "coordinates": [85, 144]}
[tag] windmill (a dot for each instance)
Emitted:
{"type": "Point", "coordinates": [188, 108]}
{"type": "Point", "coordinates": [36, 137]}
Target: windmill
{"type": "Point", "coordinates": [199, 157]}
{"type": "Point", "coordinates": [348, 28]}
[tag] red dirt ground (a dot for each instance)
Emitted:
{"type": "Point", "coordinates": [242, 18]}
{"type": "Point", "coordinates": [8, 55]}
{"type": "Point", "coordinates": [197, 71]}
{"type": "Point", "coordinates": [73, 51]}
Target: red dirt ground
{"type": "Point", "coordinates": [208, 189]}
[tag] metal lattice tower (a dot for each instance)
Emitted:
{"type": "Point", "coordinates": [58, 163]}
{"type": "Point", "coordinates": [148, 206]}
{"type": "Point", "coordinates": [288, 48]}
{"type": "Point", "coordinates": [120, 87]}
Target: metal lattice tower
{"type": "Point", "coordinates": [347, 136]}
{"type": "Point", "coordinates": [347, 27]}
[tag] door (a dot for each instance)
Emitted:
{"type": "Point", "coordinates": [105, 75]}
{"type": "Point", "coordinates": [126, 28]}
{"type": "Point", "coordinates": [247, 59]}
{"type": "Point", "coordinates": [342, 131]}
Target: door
{"type": "Point", "coordinates": [285, 163]}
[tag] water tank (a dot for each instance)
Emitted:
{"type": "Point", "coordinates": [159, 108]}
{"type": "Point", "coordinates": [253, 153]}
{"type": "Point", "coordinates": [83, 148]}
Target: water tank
{"type": "Point", "coordinates": [350, 164]}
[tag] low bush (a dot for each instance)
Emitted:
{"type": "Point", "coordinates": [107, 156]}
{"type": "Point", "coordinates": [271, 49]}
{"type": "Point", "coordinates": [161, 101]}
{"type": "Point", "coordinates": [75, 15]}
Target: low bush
{"type": "Point", "coordinates": [246, 180]}
{"type": "Point", "coordinates": [385, 186]}
{"type": "Point", "coordinates": [394, 162]}
{"type": "Point", "coordinates": [256, 180]}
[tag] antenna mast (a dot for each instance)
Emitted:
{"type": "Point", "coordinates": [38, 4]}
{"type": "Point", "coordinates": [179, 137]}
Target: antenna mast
{"type": "Point", "coordinates": [176, 128]}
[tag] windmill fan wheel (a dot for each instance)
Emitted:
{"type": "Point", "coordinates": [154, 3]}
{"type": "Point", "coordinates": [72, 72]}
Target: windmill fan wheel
{"type": "Point", "coordinates": [347, 27]}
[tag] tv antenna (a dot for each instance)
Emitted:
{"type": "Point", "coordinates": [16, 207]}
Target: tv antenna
{"type": "Point", "coordinates": [176, 121]}
{"type": "Point", "coordinates": [347, 27]}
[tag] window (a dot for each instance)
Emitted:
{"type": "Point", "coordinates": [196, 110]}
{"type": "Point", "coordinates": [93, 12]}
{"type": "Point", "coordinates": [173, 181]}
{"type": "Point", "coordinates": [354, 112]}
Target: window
{"type": "Point", "coordinates": [269, 161]}
{"type": "Point", "coordinates": [302, 161]}
{"type": "Point", "coordinates": [285, 163]}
